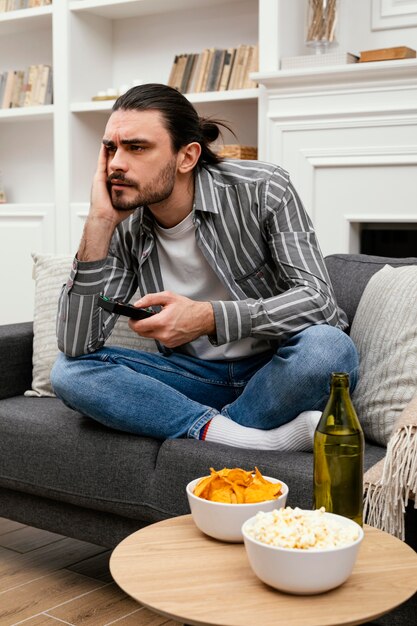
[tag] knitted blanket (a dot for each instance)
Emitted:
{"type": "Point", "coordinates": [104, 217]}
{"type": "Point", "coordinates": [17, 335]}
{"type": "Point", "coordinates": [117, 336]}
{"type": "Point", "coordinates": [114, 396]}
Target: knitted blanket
{"type": "Point", "coordinates": [393, 481]}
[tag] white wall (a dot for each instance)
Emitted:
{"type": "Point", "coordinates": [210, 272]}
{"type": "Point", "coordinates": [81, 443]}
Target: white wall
{"type": "Point", "coordinates": [357, 25]}
{"type": "Point", "coordinates": [360, 18]}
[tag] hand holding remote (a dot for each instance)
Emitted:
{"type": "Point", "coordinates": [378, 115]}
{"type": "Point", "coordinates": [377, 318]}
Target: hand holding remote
{"type": "Point", "coordinates": [122, 308]}
{"type": "Point", "coordinates": [180, 320]}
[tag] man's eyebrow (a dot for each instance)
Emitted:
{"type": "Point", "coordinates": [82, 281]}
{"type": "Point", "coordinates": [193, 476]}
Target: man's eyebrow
{"type": "Point", "coordinates": [127, 142]}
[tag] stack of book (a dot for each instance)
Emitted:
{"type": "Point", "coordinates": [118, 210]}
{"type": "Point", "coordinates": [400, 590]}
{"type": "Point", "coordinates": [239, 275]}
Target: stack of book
{"type": "Point", "coordinates": [214, 69]}
{"type": "Point", "coordinates": [20, 88]}
{"type": "Point", "coordinates": [15, 5]}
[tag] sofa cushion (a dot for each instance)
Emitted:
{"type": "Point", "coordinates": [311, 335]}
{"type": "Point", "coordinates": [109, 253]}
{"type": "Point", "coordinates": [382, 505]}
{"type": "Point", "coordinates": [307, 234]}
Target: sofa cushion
{"type": "Point", "coordinates": [50, 273]}
{"type": "Point", "coordinates": [350, 274]}
{"type": "Point", "coordinates": [51, 451]}
{"type": "Point", "coordinates": [384, 330]}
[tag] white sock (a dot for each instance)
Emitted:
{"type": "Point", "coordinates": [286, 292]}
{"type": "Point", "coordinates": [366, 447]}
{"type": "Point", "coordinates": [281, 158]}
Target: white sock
{"type": "Point", "coordinates": [297, 435]}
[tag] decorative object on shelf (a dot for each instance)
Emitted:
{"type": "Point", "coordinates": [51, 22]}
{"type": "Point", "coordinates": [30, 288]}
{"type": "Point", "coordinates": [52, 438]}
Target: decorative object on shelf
{"type": "Point", "coordinates": [387, 54]}
{"type": "Point", "coordinates": [318, 60]}
{"type": "Point", "coordinates": [236, 151]}
{"type": "Point", "coordinates": [214, 69]}
{"type": "Point", "coordinates": [321, 24]}
{"type": "Point", "coordinates": [111, 93]}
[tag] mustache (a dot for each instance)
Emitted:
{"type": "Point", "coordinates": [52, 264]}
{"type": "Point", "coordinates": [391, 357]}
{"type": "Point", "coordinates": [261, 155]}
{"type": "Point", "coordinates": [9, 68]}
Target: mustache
{"type": "Point", "coordinates": [122, 179]}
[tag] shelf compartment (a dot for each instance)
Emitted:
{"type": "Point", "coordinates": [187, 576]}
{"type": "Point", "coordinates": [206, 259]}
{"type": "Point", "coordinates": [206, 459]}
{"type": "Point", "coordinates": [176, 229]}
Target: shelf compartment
{"type": "Point", "coordinates": [23, 20]}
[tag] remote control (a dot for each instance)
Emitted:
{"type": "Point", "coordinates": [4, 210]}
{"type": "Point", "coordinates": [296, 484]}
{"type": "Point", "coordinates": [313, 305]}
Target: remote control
{"type": "Point", "coordinates": [121, 308]}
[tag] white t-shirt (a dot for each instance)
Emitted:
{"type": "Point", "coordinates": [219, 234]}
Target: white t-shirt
{"type": "Point", "coordinates": [185, 271]}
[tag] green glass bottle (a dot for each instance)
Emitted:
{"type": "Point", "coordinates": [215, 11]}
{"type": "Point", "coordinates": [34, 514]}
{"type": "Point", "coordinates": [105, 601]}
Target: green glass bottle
{"type": "Point", "coordinates": [338, 454]}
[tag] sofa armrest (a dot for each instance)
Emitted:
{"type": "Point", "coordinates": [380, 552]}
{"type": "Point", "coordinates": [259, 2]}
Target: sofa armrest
{"type": "Point", "coordinates": [350, 273]}
{"type": "Point", "coordinates": [15, 358]}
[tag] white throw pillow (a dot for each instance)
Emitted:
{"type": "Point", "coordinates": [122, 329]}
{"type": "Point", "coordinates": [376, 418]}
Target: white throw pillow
{"type": "Point", "coordinates": [384, 330]}
{"type": "Point", "coordinates": [50, 273]}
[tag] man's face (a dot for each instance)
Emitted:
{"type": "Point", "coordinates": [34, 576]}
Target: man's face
{"type": "Point", "coordinates": [141, 166]}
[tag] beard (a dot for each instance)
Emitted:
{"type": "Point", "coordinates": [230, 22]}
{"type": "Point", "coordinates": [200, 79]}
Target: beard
{"type": "Point", "coordinates": [157, 190]}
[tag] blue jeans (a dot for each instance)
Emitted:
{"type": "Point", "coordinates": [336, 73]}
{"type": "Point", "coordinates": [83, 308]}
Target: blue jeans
{"type": "Point", "coordinates": [170, 396]}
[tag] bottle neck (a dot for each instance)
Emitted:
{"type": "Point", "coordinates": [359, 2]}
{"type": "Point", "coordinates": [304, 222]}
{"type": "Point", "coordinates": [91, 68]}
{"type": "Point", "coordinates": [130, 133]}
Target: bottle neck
{"type": "Point", "coordinates": [339, 380]}
{"type": "Point", "coordinates": [339, 411]}
{"type": "Point", "coordinates": [339, 387]}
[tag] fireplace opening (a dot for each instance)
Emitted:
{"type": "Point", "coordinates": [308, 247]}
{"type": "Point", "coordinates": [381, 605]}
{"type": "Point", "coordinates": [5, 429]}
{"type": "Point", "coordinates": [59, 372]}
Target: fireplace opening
{"type": "Point", "coordinates": [388, 239]}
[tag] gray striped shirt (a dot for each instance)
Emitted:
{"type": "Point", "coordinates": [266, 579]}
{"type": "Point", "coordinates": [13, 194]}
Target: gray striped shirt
{"type": "Point", "coordinates": [254, 232]}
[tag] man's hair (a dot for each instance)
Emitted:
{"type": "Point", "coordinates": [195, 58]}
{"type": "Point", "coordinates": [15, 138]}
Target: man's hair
{"type": "Point", "coordinates": [180, 117]}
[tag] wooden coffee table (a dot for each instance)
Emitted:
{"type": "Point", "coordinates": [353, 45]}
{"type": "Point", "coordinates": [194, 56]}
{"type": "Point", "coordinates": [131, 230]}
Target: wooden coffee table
{"type": "Point", "coordinates": [177, 571]}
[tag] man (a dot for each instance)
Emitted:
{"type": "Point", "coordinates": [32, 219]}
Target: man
{"type": "Point", "coordinates": [246, 322]}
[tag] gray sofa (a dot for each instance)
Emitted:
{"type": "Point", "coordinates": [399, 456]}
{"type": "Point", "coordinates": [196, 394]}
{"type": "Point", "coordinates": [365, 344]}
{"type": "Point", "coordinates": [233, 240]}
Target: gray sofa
{"type": "Point", "coordinates": [65, 473]}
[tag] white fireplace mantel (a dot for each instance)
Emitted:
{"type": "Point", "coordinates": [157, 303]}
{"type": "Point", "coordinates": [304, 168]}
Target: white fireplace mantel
{"type": "Point", "coordinates": [348, 137]}
{"type": "Point", "coordinates": [340, 77]}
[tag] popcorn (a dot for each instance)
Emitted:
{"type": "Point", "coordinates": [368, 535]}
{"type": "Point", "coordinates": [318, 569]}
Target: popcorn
{"type": "Point", "coordinates": [305, 530]}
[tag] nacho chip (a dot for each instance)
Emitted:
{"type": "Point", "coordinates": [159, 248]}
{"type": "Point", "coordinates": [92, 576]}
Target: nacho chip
{"type": "Point", "coordinates": [236, 486]}
{"type": "Point", "coordinates": [201, 487]}
{"type": "Point", "coordinates": [260, 493]}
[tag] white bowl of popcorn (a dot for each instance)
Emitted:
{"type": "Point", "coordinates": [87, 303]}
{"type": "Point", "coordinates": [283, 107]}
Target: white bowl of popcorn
{"type": "Point", "coordinates": [301, 552]}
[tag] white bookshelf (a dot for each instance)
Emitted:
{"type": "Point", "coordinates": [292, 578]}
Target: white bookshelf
{"type": "Point", "coordinates": [137, 41]}
{"type": "Point", "coordinates": [48, 154]}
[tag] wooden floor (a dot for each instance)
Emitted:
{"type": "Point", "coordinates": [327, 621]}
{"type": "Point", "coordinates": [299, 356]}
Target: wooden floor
{"type": "Point", "coordinates": [50, 580]}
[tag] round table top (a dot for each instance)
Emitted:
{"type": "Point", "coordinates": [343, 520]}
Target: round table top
{"type": "Point", "coordinates": [174, 569]}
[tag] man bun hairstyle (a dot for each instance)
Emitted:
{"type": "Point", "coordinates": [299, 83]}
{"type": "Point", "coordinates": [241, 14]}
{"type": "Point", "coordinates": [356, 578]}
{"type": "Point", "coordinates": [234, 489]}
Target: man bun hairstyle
{"type": "Point", "coordinates": [180, 117]}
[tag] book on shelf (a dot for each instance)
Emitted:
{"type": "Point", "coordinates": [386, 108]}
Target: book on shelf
{"type": "Point", "coordinates": [206, 69]}
{"type": "Point", "coordinates": [203, 60]}
{"type": "Point", "coordinates": [179, 71]}
{"type": "Point", "coordinates": [186, 74]}
{"type": "Point", "coordinates": [318, 60]}
{"type": "Point", "coordinates": [7, 89]}
{"type": "Point", "coordinates": [16, 5]}
{"type": "Point", "coordinates": [387, 54]}
{"type": "Point", "coordinates": [236, 72]}
{"type": "Point", "coordinates": [229, 58]}
{"type": "Point", "coordinates": [43, 86]}
{"type": "Point", "coordinates": [18, 82]}
{"type": "Point", "coordinates": [30, 87]}
{"type": "Point", "coordinates": [214, 69]}
{"type": "Point", "coordinates": [252, 66]}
